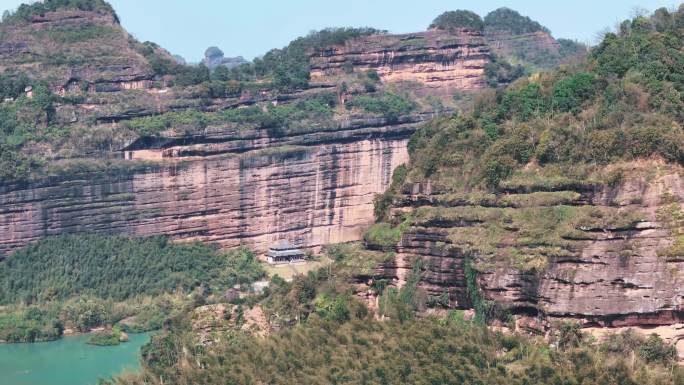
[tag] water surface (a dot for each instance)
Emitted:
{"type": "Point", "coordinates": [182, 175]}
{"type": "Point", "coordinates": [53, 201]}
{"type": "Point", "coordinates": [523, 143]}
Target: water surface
{"type": "Point", "coordinates": [68, 361]}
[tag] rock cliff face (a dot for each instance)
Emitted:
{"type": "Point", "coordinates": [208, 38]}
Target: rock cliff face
{"type": "Point", "coordinates": [312, 195]}
{"type": "Point", "coordinates": [620, 277]}
{"type": "Point", "coordinates": [609, 276]}
{"type": "Point", "coordinates": [443, 62]}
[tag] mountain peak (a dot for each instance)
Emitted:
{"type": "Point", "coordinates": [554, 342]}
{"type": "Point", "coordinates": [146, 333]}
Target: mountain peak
{"type": "Point", "coordinates": [38, 10]}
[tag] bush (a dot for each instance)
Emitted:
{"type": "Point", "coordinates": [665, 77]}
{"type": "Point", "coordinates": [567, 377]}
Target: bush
{"type": "Point", "coordinates": [332, 308]}
{"type": "Point", "coordinates": [106, 338]}
{"type": "Point", "coordinates": [29, 324]}
{"type": "Point", "coordinates": [524, 102]}
{"type": "Point", "coordinates": [655, 350]}
{"type": "Point", "coordinates": [84, 313]}
{"type": "Point", "coordinates": [383, 235]}
{"type": "Point", "coordinates": [570, 93]}
{"type": "Point", "coordinates": [391, 106]}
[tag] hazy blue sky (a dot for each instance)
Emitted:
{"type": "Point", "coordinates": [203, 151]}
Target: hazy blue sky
{"type": "Point", "coordinates": [252, 27]}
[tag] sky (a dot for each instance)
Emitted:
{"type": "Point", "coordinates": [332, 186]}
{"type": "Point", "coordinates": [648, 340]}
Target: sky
{"type": "Point", "coordinates": [250, 28]}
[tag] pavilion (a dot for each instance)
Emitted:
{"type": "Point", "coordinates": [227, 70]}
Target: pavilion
{"type": "Point", "coordinates": [284, 252]}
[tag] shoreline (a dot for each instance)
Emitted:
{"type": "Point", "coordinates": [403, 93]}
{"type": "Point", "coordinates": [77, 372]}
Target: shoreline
{"type": "Point", "coordinates": [73, 334]}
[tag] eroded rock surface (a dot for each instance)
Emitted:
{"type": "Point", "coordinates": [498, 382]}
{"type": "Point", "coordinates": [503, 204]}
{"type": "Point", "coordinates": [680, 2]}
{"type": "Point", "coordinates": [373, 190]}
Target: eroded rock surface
{"type": "Point", "coordinates": [442, 62]}
{"type": "Point", "coordinates": [312, 195]}
{"type": "Point", "coordinates": [607, 276]}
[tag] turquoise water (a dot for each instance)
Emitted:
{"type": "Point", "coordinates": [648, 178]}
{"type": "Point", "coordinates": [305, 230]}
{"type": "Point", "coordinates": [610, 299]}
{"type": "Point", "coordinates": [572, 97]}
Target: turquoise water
{"type": "Point", "coordinates": [69, 361]}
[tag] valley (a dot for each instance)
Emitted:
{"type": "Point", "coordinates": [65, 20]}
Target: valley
{"type": "Point", "coordinates": [478, 202]}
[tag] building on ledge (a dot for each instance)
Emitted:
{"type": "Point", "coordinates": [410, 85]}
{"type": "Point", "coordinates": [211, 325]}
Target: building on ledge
{"type": "Point", "coordinates": [284, 252]}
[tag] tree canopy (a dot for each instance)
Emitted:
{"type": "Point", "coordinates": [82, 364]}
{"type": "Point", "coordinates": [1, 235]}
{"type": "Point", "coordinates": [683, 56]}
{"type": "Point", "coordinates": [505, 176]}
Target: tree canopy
{"type": "Point", "coordinates": [507, 20]}
{"type": "Point", "coordinates": [118, 267]}
{"type": "Point", "coordinates": [458, 19]}
{"type": "Point", "coordinates": [26, 11]}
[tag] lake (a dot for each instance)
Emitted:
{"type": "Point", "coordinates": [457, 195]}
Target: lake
{"type": "Point", "coordinates": [68, 361]}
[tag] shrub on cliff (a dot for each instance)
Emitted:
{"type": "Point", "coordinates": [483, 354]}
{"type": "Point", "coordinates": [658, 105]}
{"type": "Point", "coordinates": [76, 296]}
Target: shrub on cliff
{"type": "Point", "coordinates": [390, 106]}
{"type": "Point", "coordinates": [458, 19]}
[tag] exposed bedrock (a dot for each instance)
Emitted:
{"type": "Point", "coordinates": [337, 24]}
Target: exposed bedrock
{"type": "Point", "coordinates": [612, 276]}
{"type": "Point", "coordinates": [442, 62]}
{"type": "Point", "coordinates": [310, 195]}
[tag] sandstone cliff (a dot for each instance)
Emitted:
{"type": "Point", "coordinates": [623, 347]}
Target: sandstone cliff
{"type": "Point", "coordinates": [621, 268]}
{"type": "Point", "coordinates": [71, 48]}
{"type": "Point", "coordinates": [313, 195]}
{"type": "Point", "coordinates": [444, 62]}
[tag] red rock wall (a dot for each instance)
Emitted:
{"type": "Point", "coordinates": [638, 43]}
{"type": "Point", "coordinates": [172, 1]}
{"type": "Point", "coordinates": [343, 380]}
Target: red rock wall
{"type": "Point", "coordinates": [313, 196]}
{"type": "Point", "coordinates": [442, 62]}
{"type": "Point", "coordinates": [616, 279]}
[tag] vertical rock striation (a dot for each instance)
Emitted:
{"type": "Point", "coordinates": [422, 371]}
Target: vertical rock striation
{"type": "Point", "coordinates": [311, 195]}
{"type": "Point", "coordinates": [606, 275]}
{"type": "Point", "coordinates": [442, 62]}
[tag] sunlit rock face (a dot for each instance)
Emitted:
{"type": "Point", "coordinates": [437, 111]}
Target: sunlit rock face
{"type": "Point", "coordinates": [311, 195]}
{"type": "Point", "coordinates": [608, 276]}
{"type": "Point", "coordinates": [440, 62]}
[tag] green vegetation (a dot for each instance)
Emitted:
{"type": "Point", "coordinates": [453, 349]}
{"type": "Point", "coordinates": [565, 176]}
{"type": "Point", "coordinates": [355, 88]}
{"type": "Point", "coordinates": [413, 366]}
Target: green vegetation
{"type": "Point", "coordinates": [313, 111]}
{"type": "Point", "coordinates": [402, 304]}
{"type": "Point", "coordinates": [26, 11]}
{"type": "Point", "coordinates": [613, 107]}
{"type": "Point", "coordinates": [30, 324]}
{"type": "Point", "coordinates": [390, 106]}
{"type": "Point", "coordinates": [87, 281]}
{"type": "Point", "coordinates": [107, 337]}
{"type": "Point", "coordinates": [383, 235]}
{"type": "Point", "coordinates": [46, 321]}
{"type": "Point", "coordinates": [24, 120]}
{"type": "Point", "coordinates": [508, 20]}
{"type": "Point", "coordinates": [118, 267]}
{"type": "Point", "coordinates": [285, 69]}
{"type": "Point", "coordinates": [458, 19]}
{"type": "Point", "coordinates": [336, 340]}
{"type": "Point", "coordinates": [73, 36]}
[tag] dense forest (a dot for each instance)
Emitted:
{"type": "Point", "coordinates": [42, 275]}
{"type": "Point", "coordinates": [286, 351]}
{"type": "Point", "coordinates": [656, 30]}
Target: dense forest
{"type": "Point", "coordinates": [85, 281]}
{"type": "Point", "coordinates": [624, 102]}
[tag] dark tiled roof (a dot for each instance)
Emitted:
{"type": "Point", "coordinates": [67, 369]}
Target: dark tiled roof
{"type": "Point", "coordinates": [284, 249]}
